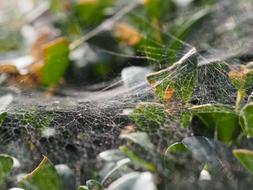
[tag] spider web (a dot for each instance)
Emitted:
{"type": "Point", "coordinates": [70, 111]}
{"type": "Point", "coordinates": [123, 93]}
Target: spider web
{"type": "Point", "coordinates": [73, 130]}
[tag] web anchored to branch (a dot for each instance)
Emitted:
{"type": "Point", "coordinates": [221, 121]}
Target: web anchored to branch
{"type": "Point", "coordinates": [74, 129]}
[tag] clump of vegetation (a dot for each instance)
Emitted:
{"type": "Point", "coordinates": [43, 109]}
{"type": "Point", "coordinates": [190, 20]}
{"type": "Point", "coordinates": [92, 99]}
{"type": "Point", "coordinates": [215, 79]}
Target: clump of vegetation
{"type": "Point", "coordinates": [192, 131]}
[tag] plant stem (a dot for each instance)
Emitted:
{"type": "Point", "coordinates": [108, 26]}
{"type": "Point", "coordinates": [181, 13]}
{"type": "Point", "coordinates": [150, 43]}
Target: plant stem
{"type": "Point", "coordinates": [239, 98]}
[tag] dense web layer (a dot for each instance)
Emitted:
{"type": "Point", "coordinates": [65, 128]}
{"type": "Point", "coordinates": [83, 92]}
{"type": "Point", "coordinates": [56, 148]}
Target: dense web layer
{"type": "Point", "coordinates": [74, 129]}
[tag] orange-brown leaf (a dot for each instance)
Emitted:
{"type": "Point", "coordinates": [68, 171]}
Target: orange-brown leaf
{"type": "Point", "coordinates": [128, 34]}
{"type": "Point", "coordinates": [169, 93]}
{"type": "Point", "coordinates": [36, 49]}
{"type": "Point", "coordinates": [8, 69]}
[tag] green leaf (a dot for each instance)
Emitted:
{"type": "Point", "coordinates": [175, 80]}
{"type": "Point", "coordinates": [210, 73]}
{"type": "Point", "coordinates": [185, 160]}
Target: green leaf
{"type": "Point", "coordinates": [246, 119]}
{"type": "Point", "coordinates": [159, 9]}
{"type": "Point", "coordinates": [176, 147]}
{"type": "Point", "coordinates": [94, 185]}
{"type": "Point", "coordinates": [134, 181]}
{"type": "Point", "coordinates": [178, 81]}
{"type": "Point", "coordinates": [44, 177]}
{"type": "Point", "coordinates": [245, 157]}
{"type": "Point", "coordinates": [6, 164]}
{"type": "Point", "coordinates": [118, 165]}
{"type": "Point", "coordinates": [93, 11]}
{"type": "Point", "coordinates": [83, 188]}
{"type": "Point", "coordinates": [140, 139]}
{"type": "Point", "coordinates": [218, 118]}
{"type": "Point", "coordinates": [137, 159]}
{"type": "Point", "coordinates": [56, 6]}
{"type": "Point", "coordinates": [149, 115]}
{"type": "Point", "coordinates": [185, 119]}
{"type": "Point", "coordinates": [153, 8]}
{"type": "Point", "coordinates": [56, 61]}
{"type": "Point", "coordinates": [2, 117]}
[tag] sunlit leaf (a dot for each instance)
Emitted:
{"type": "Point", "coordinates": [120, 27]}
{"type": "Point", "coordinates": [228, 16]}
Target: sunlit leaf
{"type": "Point", "coordinates": [218, 118]}
{"type": "Point", "coordinates": [44, 177]}
{"type": "Point", "coordinates": [6, 164]}
{"type": "Point", "coordinates": [56, 61]}
{"type": "Point", "coordinates": [245, 157]}
{"type": "Point", "coordinates": [178, 81]}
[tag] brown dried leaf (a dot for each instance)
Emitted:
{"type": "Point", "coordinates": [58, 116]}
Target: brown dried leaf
{"type": "Point", "coordinates": [169, 93]}
{"type": "Point", "coordinates": [36, 70]}
{"type": "Point", "coordinates": [128, 129]}
{"type": "Point", "coordinates": [127, 34]}
{"type": "Point", "coordinates": [36, 49]}
{"type": "Point", "coordinates": [8, 69]}
{"type": "Point", "coordinates": [25, 81]}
